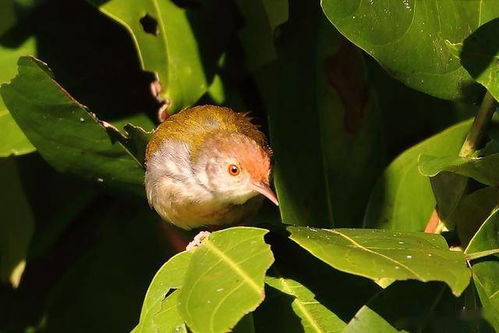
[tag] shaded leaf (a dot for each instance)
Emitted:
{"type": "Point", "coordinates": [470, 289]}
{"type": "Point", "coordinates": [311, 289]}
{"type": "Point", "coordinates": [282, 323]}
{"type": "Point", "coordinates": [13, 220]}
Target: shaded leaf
{"type": "Point", "coordinates": [64, 132]}
{"type": "Point", "coordinates": [409, 38]}
{"type": "Point", "coordinates": [448, 190]}
{"type": "Point", "coordinates": [180, 45]}
{"type": "Point", "coordinates": [384, 255]}
{"type": "Point", "coordinates": [134, 139]}
{"type": "Point", "coordinates": [402, 198]}
{"type": "Point", "coordinates": [16, 223]}
{"type": "Point", "coordinates": [314, 316]}
{"type": "Point", "coordinates": [225, 279]}
{"type": "Point", "coordinates": [261, 18]}
{"type": "Point", "coordinates": [245, 325]}
{"type": "Point", "coordinates": [483, 169]}
{"type": "Point", "coordinates": [325, 149]}
{"type": "Point", "coordinates": [472, 211]}
{"type": "Point", "coordinates": [409, 306]}
{"type": "Point", "coordinates": [480, 56]}
{"type": "Point", "coordinates": [485, 272]}
{"type": "Point", "coordinates": [157, 311]}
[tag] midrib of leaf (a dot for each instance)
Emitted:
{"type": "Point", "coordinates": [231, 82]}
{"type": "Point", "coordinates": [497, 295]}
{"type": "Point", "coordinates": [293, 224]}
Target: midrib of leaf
{"type": "Point", "coordinates": [374, 252]}
{"type": "Point", "coordinates": [301, 305]}
{"type": "Point", "coordinates": [232, 264]}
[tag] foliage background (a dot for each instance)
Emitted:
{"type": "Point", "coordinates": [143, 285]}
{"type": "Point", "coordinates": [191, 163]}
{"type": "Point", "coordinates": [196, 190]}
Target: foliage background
{"type": "Point", "coordinates": [336, 119]}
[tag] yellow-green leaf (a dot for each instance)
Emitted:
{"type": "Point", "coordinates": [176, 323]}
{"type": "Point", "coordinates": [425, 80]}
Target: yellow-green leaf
{"type": "Point", "coordinates": [225, 279]}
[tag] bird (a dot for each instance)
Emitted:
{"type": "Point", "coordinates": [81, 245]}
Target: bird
{"type": "Point", "coordinates": [207, 166]}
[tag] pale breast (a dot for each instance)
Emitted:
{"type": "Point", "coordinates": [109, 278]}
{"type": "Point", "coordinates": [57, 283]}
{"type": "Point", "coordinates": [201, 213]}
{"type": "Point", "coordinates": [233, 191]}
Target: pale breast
{"type": "Point", "coordinates": [174, 192]}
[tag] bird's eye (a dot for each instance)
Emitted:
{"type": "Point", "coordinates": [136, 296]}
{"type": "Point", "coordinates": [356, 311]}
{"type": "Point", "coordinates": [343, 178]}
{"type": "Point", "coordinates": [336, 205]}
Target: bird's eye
{"type": "Point", "coordinates": [233, 170]}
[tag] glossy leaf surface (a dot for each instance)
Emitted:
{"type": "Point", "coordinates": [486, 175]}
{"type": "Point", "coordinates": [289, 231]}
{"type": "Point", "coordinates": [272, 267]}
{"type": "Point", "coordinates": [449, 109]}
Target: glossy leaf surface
{"type": "Point", "coordinates": [384, 255]}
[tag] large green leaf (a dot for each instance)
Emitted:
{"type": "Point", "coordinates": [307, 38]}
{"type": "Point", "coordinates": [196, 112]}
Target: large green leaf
{"type": "Point", "coordinates": [384, 255]}
{"type": "Point", "coordinates": [225, 279]}
{"type": "Point", "coordinates": [409, 38]}
{"type": "Point", "coordinates": [480, 56]}
{"type": "Point", "coordinates": [156, 310]}
{"type": "Point", "coordinates": [13, 142]}
{"type": "Point", "coordinates": [314, 316]}
{"type": "Point", "coordinates": [483, 169]}
{"type": "Point", "coordinates": [180, 45]}
{"type": "Point", "coordinates": [67, 136]}
{"type": "Point", "coordinates": [402, 198]}
{"type": "Point", "coordinates": [324, 122]}
{"type": "Point", "coordinates": [486, 272]}
{"type": "Point", "coordinates": [16, 223]}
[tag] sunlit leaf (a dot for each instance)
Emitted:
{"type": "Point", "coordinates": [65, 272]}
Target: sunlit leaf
{"type": "Point", "coordinates": [384, 255]}
{"type": "Point", "coordinates": [225, 279]}
{"type": "Point", "coordinates": [181, 45]}
{"type": "Point", "coordinates": [157, 310]}
{"type": "Point", "coordinates": [409, 38]}
{"type": "Point", "coordinates": [314, 316]}
{"type": "Point", "coordinates": [69, 137]}
{"type": "Point", "coordinates": [13, 141]}
{"type": "Point", "coordinates": [402, 199]}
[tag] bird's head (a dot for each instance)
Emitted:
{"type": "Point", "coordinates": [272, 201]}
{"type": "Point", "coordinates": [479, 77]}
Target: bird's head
{"type": "Point", "coordinates": [234, 166]}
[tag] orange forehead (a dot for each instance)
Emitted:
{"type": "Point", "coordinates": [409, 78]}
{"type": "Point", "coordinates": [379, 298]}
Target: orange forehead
{"type": "Point", "coordinates": [252, 157]}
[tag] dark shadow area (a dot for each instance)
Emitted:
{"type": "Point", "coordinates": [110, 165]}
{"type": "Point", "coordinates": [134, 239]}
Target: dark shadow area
{"type": "Point", "coordinates": [276, 314]}
{"type": "Point", "coordinates": [429, 307]}
{"type": "Point", "coordinates": [149, 24]}
{"type": "Point", "coordinates": [480, 49]}
{"type": "Point", "coordinates": [340, 292]}
{"type": "Point", "coordinates": [92, 57]}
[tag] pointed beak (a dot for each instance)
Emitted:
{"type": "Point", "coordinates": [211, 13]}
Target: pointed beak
{"type": "Point", "coordinates": [266, 191]}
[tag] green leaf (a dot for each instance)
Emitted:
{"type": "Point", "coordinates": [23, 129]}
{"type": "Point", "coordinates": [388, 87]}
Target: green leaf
{"type": "Point", "coordinates": [410, 38]}
{"type": "Point", "coordinates": [16, 224]}
{"type": "Point", "coordinates": [472, 211]}
{"type": "Point", "coordinates": [367, 320]}
{"type": "Point", "coordinates": [314, 316]}
{"type": "Point", "coordinates": [168, 318]}
{"type": "Point", "coordinates": [402, 198]}
{"type": "Point", "coordinates": [134, 139]}
{"type": "Point", "coordinates": [324, 122]}
{"type": "Point", "coordinates": [485, 272]}
{"type": "Point", "coordinates": [180, 45]}
{"type": "Point", "coordinates": [13, 142]}
{"type": "Point", "coordinates": [483, 169]}
{"type": "Point", "coordinates": [67, 136]}
{"type": "Point", "coordinates": [261, 18]}
{"type": "Point", "coordinates": [384, 255]}
{"type": "Point", "coordinates": [225, 279]}
{"type": "Point", "coordinates": [480, 56]}
{"type": "Point", "coordinates": [156, 310]}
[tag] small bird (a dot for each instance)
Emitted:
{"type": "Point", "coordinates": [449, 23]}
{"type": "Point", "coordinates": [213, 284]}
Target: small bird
{"type": "Point", "coordinates": [207, 165]}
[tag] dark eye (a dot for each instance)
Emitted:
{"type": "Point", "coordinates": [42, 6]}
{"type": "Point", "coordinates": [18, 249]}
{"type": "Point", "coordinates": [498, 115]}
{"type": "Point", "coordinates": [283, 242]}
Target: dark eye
{"type": "Point", "coordinates": [233, 170]}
